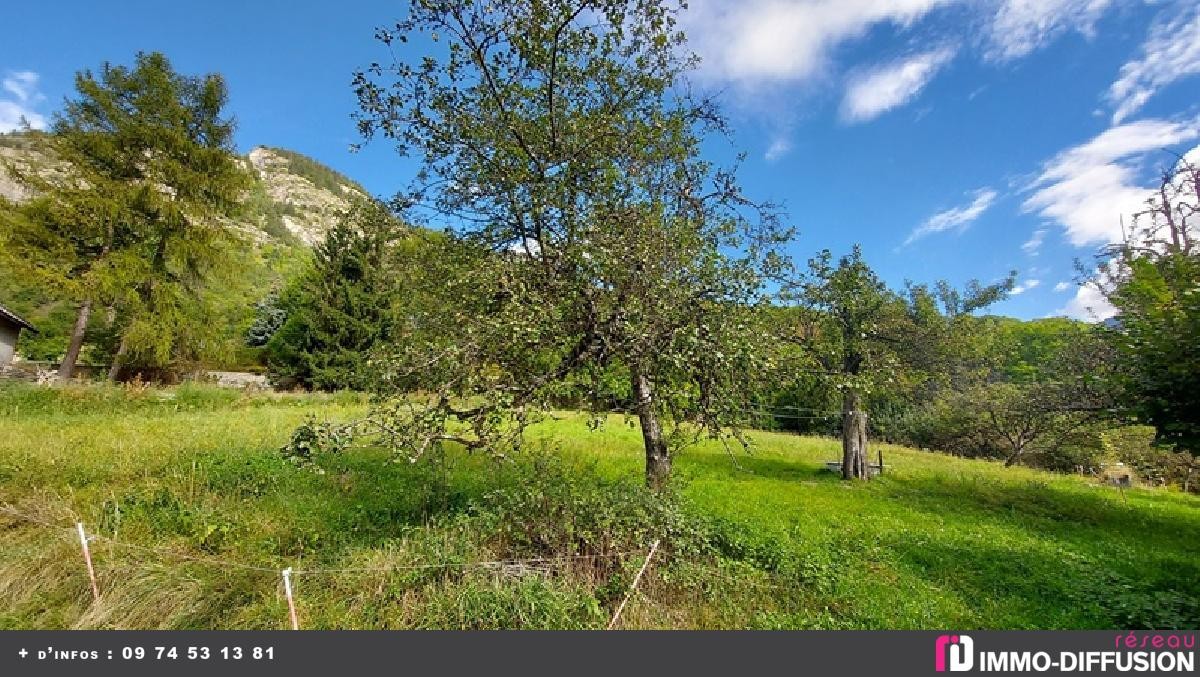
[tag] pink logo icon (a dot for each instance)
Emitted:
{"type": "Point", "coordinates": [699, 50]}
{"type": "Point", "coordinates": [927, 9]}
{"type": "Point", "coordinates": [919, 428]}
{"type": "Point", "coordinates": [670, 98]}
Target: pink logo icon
{"type": "Point", "coordinates": [960, 650]}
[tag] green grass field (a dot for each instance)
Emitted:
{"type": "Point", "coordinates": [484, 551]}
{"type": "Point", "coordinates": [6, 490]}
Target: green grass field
{"type": "Point", "coordinates": [170, 478]}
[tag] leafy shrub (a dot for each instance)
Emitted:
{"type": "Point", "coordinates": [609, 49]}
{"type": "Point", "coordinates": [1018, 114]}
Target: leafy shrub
{"type": "Point", "coordinates": [544, 507]}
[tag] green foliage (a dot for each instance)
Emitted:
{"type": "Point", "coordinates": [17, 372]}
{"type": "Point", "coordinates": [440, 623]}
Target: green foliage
{"type": "Point", "coordinates": [1153, 281]}
{"type": "Point", "coordinates": [1157, 464]}
{"type": "Point", "coordinates": [844, 334]}
{"type": "Point", "coordinates": [602, 243]}
{"type": "Point", "coordinates": [129, 218]}
{"type": "Point", "coordinates": [341, 307]}
{"type": "Point", "coordinates": [269, 316]}
{"type": "Point", "coordinates": [545, 507]}
{"type": "Point", "coordinates": [1158, 339]}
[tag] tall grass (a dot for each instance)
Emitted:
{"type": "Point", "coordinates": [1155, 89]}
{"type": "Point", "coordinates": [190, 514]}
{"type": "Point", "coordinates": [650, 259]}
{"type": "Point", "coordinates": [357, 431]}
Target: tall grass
{"type": "Point", "coordinates": [173, 480]}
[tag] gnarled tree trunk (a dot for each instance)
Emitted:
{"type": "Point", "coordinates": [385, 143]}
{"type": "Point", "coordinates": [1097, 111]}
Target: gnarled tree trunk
{"type": "Point", "coordinates": [658, 459]}
{"type": "Point", "coordinates": [854, 437]}
{"type": "Point", "coordinates": [66, 370]}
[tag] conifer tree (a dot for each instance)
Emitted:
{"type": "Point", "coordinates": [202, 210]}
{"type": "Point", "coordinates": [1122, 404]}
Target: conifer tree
{"type": "Point", "coordinates": [133, 214]}
{"type": "Point", "coordinates": [342, 306]}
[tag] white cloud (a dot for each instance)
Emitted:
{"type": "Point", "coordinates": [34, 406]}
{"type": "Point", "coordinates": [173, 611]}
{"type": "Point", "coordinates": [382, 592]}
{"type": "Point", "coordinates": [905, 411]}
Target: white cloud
{"type": "Point", "coordinates": [22, 84]}
{"type": "Point", "coordinates": [1025, 286]}
{"type": "Point", "coordinates": [1034, 244]}
{"type": "Point", "coordinates": [21, 95]}
{"type": "Point", "coordinates": [958, 218]}
{"type": "Point", "coordinates": [1019, 27]}
{"type": "Point", "coordinates": [1171, 52]}
{"type": "Point", "coordinates": [1062, 287]}
{"type": "Point", "coordinates": [778, 148]}
{"type": "Point", "coordinates": [756, 41]}
{"type": "Point", "coordinates": [1088, 189]}
{"type": "Point", "coordinates": [1088, 305]}
{"type": "Point", "coordinates": [878, 90]}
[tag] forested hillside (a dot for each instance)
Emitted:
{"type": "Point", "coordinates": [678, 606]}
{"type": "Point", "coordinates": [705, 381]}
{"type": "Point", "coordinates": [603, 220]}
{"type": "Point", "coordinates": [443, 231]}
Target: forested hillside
{"type": "Point", "coordinates": [290, 205]}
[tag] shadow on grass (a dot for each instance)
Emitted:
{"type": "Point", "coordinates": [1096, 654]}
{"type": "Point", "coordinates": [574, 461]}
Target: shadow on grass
{"type": "Point", "coordinates": [1039, 504]}
{"type": "Point", "coordinates": [746, 466]}
{"type": "Point", "coordinates": [1102, 564]}
{"type": "Point", "coordinates": [1023, 588]}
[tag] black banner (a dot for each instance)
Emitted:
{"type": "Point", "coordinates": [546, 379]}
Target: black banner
{"type": "Point", "coordinates": [565, 654]}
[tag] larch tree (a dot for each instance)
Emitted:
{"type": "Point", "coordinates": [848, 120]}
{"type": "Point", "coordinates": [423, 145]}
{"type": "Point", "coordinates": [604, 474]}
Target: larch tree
{"type": "Point", "coordinates": [561, 149]}
{"type": "Point", "coordinates": [132, 213]}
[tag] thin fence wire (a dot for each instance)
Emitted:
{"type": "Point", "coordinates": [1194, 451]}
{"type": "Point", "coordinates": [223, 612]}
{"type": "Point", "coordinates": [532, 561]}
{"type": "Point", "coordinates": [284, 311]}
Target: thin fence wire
{"type": "Point", "coordinates": [638, 595]}
{"type": "Point", "coordinates": [213, 561]}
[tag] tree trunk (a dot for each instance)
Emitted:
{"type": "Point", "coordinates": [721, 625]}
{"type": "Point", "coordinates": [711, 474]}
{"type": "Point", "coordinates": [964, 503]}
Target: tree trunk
{"type": "Point", "coordinates": [658, 460]}
{"type": "Point", "coordinates": [115, 370]}
{"type": "Point", "coordinates": [1012, 457]}
{"type": "Point", "coordinates": [854, 437]}
{"type": "Point", "coordinates": [66, 370]}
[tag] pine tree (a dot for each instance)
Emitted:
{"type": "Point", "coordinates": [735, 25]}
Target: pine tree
{"type": "Point", "coordinates": [341, 307]}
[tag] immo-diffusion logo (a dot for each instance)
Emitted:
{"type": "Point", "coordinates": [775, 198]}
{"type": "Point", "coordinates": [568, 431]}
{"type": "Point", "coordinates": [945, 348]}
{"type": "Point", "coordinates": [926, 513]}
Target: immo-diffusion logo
{"type": "Point", "coordinates": [959, 648]}
{"type": "Point", "coordinates": [1134, 652]}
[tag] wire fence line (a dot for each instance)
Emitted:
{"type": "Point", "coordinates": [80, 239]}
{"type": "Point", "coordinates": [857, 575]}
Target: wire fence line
{"type": "Point", "coordinates": [12, 512]}
{"type": "Point", "coordinates": [287, 573]}
{"type": "Point", "coordinates": [634, 591]}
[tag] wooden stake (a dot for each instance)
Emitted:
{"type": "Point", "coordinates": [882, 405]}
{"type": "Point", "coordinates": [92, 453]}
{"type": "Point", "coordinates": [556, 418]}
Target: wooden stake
{"type": "Point", "coordinates": [617, 616]}
{"type": "Point", "coordinates": [287, 590]}
{"type": "Point", "coordinates": [87, 557]}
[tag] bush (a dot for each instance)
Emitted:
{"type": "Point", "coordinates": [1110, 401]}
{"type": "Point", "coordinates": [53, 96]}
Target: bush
{"type": "Point", "coordinates": [1157, 464]}
{"type": "Point", "coordinates": [545, 507]}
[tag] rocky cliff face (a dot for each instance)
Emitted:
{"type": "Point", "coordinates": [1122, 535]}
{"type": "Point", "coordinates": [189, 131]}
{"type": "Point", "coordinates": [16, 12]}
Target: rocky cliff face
{"type": "Point", "coordinates": [306, 196]}
{"type": "Point", "coordinates": [294, 200]}
{"type": "Point", "coordinates": [19, 154]}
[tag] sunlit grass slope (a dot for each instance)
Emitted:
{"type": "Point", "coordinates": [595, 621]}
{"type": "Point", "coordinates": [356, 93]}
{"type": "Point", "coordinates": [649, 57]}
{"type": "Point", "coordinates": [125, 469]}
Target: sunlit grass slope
{"type": "Point", "coordinates": [767, 539]}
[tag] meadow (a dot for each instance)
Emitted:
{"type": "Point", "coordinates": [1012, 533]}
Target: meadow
{"type": "Point", "coordinates": [196, 510]}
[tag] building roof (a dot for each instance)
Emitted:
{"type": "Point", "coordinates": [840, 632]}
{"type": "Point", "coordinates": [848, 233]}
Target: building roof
{"type": "Point", "coordinates": [15, 319]}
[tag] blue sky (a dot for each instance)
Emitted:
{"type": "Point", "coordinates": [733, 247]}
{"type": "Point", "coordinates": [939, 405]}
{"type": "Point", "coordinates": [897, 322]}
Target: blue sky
{"type": "Point", "coordinates": [954, 139]}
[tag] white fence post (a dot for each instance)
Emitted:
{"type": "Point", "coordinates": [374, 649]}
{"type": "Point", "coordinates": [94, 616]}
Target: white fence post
{"type": "Point", "coordinates": [87, 557]}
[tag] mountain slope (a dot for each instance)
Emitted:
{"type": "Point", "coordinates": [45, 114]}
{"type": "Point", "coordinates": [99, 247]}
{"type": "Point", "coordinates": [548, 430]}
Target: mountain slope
{"type": "Point", "coordinates": [303, 196]}
{"type": "Point", "coordinates": [295, 199]}
{"type": "Point", "coordinates": [292, 203]}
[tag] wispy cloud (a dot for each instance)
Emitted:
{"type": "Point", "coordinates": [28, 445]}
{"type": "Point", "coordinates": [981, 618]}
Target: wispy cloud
{"type": "Point", "coordinates": [1025, 286]}
{"type": "Point", "coordinates": [1033, 245]}
{"type": "Point", "coordinates": [1062, 287]}
{"type": "Point", "coordinates": [958, 218]}
{"type": "Point", "coordinates": [1171, 52]}
{"type": "Point", "coordinates": [873, 92]}
{"type": "Point", "coordinates": [20, 96]}
{"type": "Point", "coordinates": [1018, 27]}
{"type": "Point", "coordinates": [779, 147]}
{"type": "Point", "coordinates": [1088, 189]}
{"type": "Point", "coordinates": [765, 49]}
{"type": "Point", "coordinates": [757, 41]}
